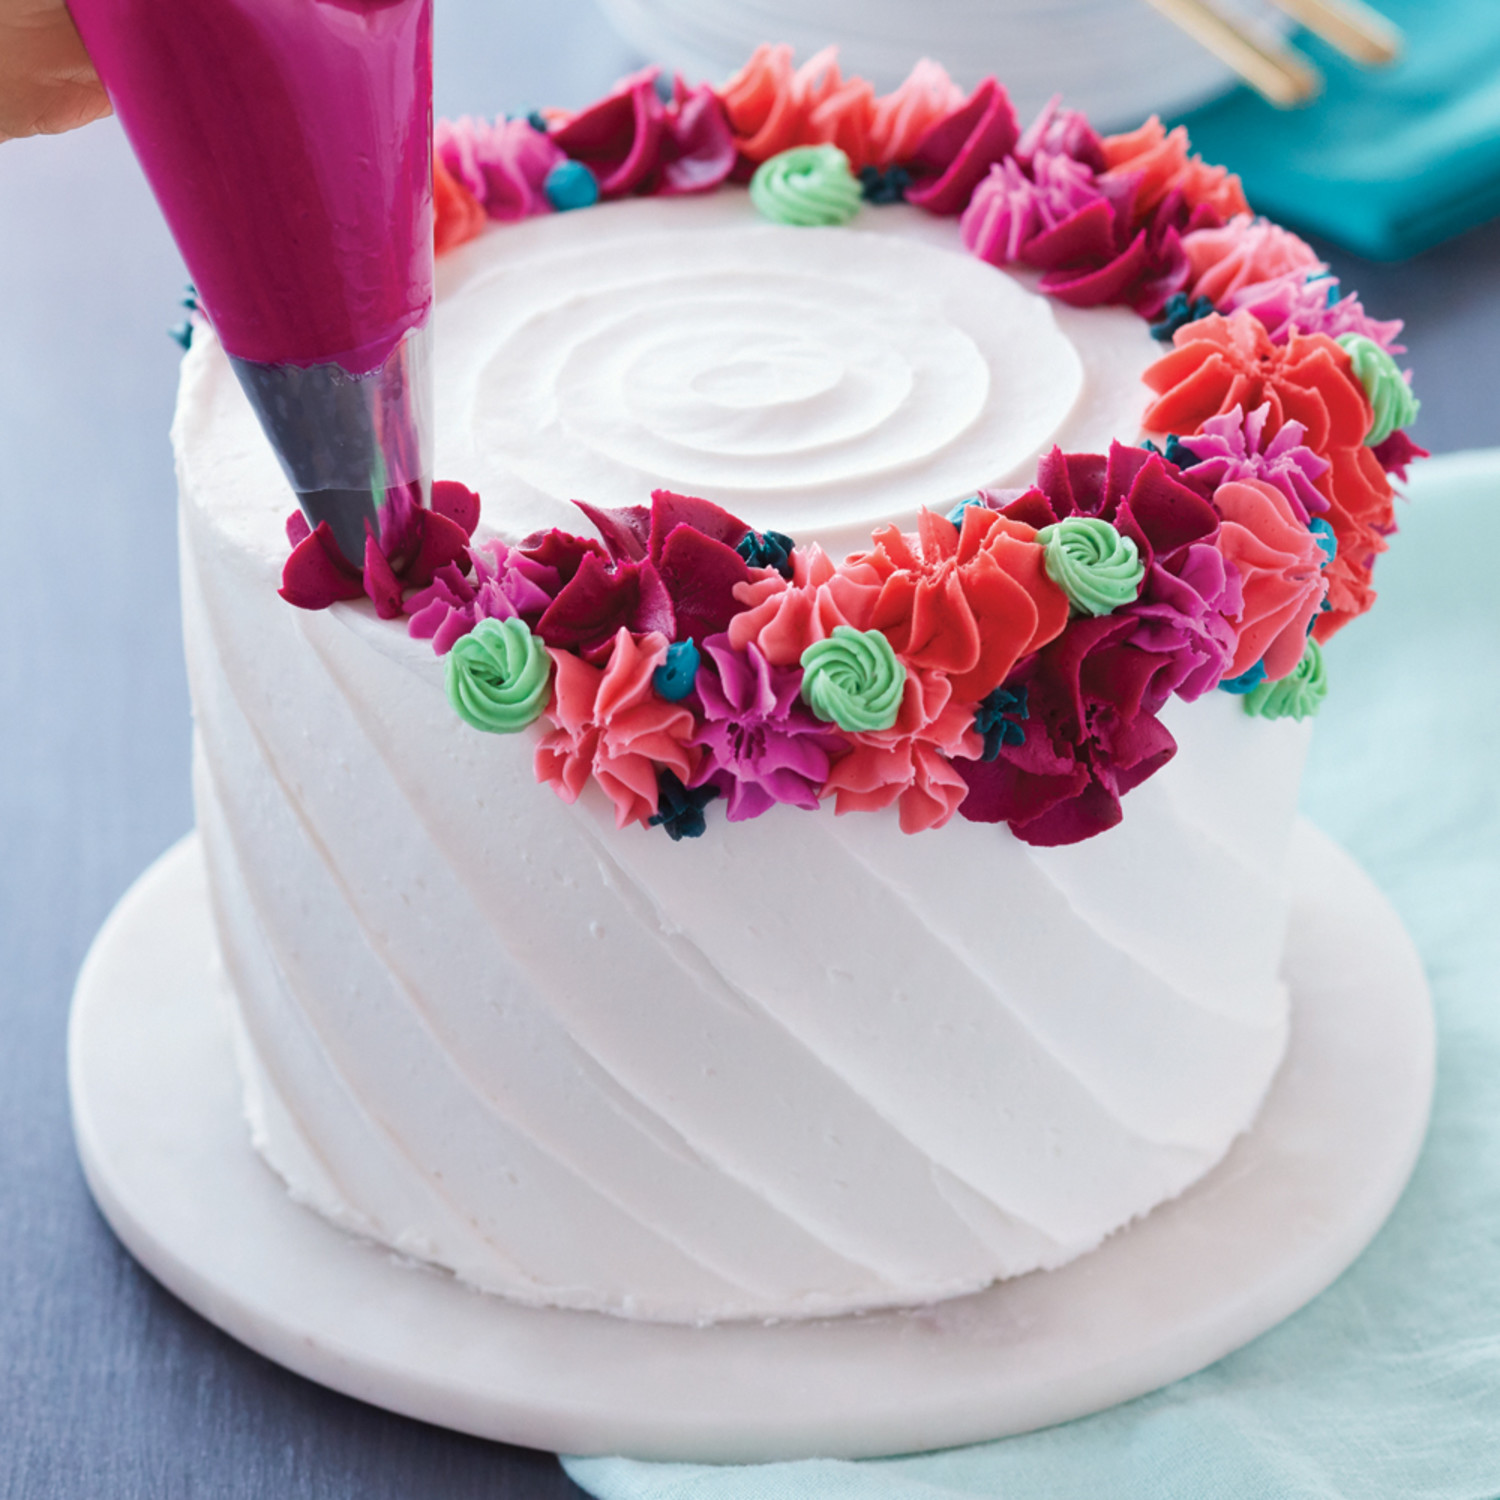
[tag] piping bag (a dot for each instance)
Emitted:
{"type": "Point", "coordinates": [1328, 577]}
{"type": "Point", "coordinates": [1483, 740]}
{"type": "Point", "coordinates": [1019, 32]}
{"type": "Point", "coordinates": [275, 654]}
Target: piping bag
{"type": "Point", "coordinates": [289, 145]}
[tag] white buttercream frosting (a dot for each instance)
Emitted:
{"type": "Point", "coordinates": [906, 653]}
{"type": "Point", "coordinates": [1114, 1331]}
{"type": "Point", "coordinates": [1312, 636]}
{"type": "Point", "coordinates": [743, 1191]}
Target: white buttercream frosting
{"type": "Point", "coordinates": [801, 1065]}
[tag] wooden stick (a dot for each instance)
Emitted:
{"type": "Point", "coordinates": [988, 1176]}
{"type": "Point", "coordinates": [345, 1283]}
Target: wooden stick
{"type": "Point", "coordinates": [1276, 72]}
{"type": "Point", "coordinates": [1348, 26]}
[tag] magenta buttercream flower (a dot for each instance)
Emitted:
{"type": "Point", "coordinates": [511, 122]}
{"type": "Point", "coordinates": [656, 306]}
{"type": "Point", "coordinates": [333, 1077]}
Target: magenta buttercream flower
{"type": "Point", "coordinates": [504, 165]}
{"type": "Point", "coordinates": [760, 744]}
{"type": "Point", "coordinates": [1294, 303]}
{"type": "Point", "coordinates": [1091, 737]}
{"type": "Point", "coordinates": [1056, 215]}
{"type": "Point", "coordinates": [1061, 132]}
{"type": "Point", "coordinates": [956, 152]}
{"type": "Point", "coordinates": [1236, 445]}
{"type": "Point", "coordinates": [506, 584]}
{"type": "Point", "coordinates": [1184, 615]}
{"type": "Point", "coordinates": [608, 723]}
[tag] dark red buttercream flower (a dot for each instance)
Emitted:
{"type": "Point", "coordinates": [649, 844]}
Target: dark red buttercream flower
{"type": "Point", "coordinates": [959, 149]}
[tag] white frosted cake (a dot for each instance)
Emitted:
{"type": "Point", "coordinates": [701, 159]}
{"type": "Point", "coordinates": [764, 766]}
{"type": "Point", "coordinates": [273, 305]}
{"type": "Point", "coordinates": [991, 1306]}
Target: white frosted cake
{"type": "Point", "coordinates": [803, 1064]}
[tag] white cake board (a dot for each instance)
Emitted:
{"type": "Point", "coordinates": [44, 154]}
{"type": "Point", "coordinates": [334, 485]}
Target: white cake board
{"type": "Point", "coordinates": [157, 1114]}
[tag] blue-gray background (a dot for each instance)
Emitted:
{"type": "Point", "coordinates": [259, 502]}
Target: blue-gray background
{"type": "Point", "coordinates": [108, 1386]}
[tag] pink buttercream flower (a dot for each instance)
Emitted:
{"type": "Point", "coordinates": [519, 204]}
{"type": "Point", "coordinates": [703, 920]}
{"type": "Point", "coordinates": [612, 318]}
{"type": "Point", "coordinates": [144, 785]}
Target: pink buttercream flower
{"type": "Point", "coordinates": [1056, 216]}
{"type": "Point", "coordinates": [1280, 565]}
{"type": "Point", "coordinates": [609, 724]}
{"type": "Point", "coordinates": [910, 764]}
{"type": "Point", "coordinates": [1243, 252]}
{"type": "Point", "coordinates": [784, 617]}
{"type": "Point", "coordinates": [949, 161]}
{"type": "Point", "coordinates": [504, 165]}
{"type": "Point", "coordinates": [761, 744]}
{"type": "Point", "coordinates": [506, 584]}
{"type": "Point", "coordinates": [1294, 303]}
{"type": "Point", "coordinates": [1237, 445]}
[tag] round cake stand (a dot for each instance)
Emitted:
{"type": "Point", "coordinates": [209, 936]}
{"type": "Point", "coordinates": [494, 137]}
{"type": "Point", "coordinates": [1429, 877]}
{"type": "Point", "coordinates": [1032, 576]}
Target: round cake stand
{"type": "Point", "coordinates": [156, 1109]}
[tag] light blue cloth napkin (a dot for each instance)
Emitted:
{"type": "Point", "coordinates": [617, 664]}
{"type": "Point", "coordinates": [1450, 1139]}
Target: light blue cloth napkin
{"type": "Point", "coordinates": [1390, 161]}
{"type": "Point", "coordinates": [1387, 1387]}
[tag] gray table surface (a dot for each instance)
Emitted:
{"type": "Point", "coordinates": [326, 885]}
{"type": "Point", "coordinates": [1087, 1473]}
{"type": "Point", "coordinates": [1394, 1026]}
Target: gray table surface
{"type": "Point", "coordinates": [108, 1386]}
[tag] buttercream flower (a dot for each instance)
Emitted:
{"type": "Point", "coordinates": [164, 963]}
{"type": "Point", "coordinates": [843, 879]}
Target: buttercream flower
{"type": "Point", "coordinates": [1220, 363]}
{"type": "Point", "coordinates": [634, 142]}
{"type": "Point", "coordinates": [911, 763]}
{"type": "Point", "coordinates": [1098, 569]}
{"type": "Point", "coordinates": [760, 744]}
{"type": "Point", "coordinates": [498, 677]}
{"type": "Point", "coordinates": [1396, 453]}
{"type": "Point", "coordinates": [771, 104]}
{"type": "Point", "coordinates": [1061, 132]}
{"type": "Point", "coordinates": [1158, 159]}
{"type": "Point", "coordinates": [506, 584]}
{"type": "Point", "coordinates": [1243, 252]}
{"type": "Point", "coordinates": [670, 567]}
{"type": "Point", "coordinates": [457, 214]}
{"type": "Point", "coordinates": [1055, 215]}
{"type": "Point", "coordinates": [608, 724]}
{"type": "Point", "coordinates": [1390, 395]}
{"type": "Point", "coordinates": [967, 600]}
{"type": "Point", "coordinates": [949, 161]}
{"type": "Point", "coordinates": [1293, 303]}
{"type": "Point", "coordinates": [901, 118]}
{"type": "Point", "coordinates": [783, 616]}
{"type": "Point", "coordinates": [1091, 737]}
{"type": "Point", "coordinates": [317, 574]}
{"type": "Point", "coordinates": [504, 165]}
{"type": "Point", "coordinates": [1238, 445]}
{"type": "Point", "coordinates": [1298, 695]}
{"type": "Point", "coordinates": [1187, 593]}
{"type": "Point", "coordinates": [1279, 563]}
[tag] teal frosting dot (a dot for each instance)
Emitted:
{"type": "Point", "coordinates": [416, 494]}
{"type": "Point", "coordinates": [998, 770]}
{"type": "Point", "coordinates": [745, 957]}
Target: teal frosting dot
{"type": "Point", "coordinates": [808, 186]}
{"type": "Point", "coordinates": [853, 679]}
{"type": "Point", "coordinates": [1390, 396]}
{"type": "Point", "coordinates": [1097, 568]}
{"type": "Point", "coordinates": [499, 676]}
{"type": "Point", "coordinates": [570, 184]}
{"type": "Point", "coordinates": [1298, 695]}
{"type": "Point", "coordinates": [674, 678]}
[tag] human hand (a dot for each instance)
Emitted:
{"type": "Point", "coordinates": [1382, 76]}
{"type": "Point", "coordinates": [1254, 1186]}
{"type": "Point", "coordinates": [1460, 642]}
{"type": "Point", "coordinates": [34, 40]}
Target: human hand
{"type": "Point", "coordinates": [47, 83]}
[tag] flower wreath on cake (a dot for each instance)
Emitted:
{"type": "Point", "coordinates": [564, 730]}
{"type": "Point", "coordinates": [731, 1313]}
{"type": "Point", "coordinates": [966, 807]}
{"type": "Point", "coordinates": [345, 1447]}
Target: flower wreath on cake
{"type": "Point", "coordinates": [1008, 660]}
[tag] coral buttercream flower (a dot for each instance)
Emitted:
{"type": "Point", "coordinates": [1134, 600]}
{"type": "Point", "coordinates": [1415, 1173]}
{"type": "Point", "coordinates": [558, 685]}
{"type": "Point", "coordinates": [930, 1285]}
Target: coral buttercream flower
{"type": "Point", "coordinates": [1091, 736]}
{"type": "Point", "coordinates": [504, 165]}
{"type": "Point", "coordinates": [1238, 445]}
{"type": "Point", "coordinates": [457, 215]}
{"type": "Point", "coordinates": [608, 724]}
{"type": "Point", "coordinates": [1279, 563]}
{"type": "Point", "coordinates": [911, 763]}
{"type": "Point", "coordinates": [1220, 363]}
{"type": "Point", "coordinates": [1244, 252]}
{"type": "Point", "coordinates": [1159, 160]}
{"type": "Point", "coordinates": [760, 744]}
{"type": "Point", "coordinates": [968, 601]}
{"type": "Point", "coordinates": [770, 104]}
{"type": "Point", "coordinates": [901, 118]}
{"type": "Point", "coordinates": [784, 616]}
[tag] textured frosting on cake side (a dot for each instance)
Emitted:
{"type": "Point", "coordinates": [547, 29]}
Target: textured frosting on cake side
{"type": "Point", "coordinates": [800, 1065]}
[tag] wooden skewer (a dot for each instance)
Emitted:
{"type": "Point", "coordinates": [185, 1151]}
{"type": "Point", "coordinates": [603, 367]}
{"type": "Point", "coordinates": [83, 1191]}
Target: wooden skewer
{"type": "Point", "coordinates": [1274, 70]}
{"type": "Point", "coordinates": [1348, 26]}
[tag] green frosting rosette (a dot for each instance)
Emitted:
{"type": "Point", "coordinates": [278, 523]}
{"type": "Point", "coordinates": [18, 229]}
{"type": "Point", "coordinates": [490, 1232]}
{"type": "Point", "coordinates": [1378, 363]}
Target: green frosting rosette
{"type": "Point", "coordinates": [1384, 384]}
{"type": "Point", "coordinates": [499, 676]}
{"type": "Point", "coordinates": [1097, 568]}
{"type": "Point", "coordinates": [1298, 695]}
{"type": "Point", "coordinates": [808, 186]}
{"type": "Point", "coordinates": [854, 680]}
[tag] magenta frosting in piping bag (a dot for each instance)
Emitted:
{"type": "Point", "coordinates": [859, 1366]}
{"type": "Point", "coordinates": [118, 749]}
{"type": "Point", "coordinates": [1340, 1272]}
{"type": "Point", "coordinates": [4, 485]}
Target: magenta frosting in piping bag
{"type": "Point", "coordinates": [289, 144]}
